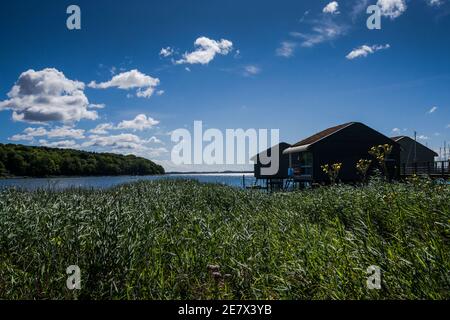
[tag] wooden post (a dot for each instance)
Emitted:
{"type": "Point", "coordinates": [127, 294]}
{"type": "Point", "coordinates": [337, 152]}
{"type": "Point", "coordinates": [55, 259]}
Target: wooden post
{"type": "Point", "coordinates": [243, 181]}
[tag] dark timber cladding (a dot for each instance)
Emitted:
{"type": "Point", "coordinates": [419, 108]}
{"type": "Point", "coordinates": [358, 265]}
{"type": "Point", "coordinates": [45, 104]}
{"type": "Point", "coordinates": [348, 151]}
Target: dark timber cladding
{"type": "Point", "coordinates": [283, 162]}
{"type": "Point", "coordinates": [414, 152]}
{"type": "Point", "coordinates": [346, 143]}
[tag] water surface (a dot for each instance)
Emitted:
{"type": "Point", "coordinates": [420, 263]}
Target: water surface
{"type": "Point", "coordinates": [235, 180]}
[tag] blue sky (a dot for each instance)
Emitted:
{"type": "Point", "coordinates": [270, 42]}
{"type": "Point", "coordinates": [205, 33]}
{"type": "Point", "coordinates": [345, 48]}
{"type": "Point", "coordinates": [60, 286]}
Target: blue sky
{"type": "Point", "coordinates": [297, 66]}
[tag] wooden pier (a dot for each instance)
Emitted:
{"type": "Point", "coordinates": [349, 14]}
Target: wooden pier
{"type": "Point", "coordinates": [435, 170]}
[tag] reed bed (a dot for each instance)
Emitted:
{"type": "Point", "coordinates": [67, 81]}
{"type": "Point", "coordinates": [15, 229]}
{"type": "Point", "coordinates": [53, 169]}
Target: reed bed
{"type": "Point", "coordinates": [187, 240]}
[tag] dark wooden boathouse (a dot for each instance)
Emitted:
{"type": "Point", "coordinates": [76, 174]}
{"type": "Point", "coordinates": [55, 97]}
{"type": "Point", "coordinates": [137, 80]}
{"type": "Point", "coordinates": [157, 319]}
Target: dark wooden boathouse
{"type": "Point", "coordinates": [346, 144]}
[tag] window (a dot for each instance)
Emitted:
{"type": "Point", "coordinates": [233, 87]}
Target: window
{"type": "Point", "coordinates": [306, 163]}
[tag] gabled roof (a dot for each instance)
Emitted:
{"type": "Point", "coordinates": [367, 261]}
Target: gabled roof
{"type": "Point", "coordinates": [281, 146]}
{"type": "Point", "coordinates": [304, 144]}
{"type": "Point", "coordinates": [322, 134]}
{"type": "Point", "coordinates": [398, 138]}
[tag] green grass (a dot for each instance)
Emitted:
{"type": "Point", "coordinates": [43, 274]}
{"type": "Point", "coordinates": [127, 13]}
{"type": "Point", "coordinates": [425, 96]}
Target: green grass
{"type": "Point", "coordinates": [161, 240]}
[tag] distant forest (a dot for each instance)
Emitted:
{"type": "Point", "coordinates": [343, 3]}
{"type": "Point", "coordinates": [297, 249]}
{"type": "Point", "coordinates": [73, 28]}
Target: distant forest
{"type": "Point", "coordinates": [19, 160]}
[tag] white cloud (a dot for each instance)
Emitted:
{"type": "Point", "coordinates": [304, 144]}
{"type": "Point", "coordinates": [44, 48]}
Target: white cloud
{"type": "Point", "coordinates": [332, 7]}
{"type": "Point", "coordinates": [126, 143]}
{"type": "Point", "coordinates": [166, 52]}
{"type": "Point", "coordinates": [322, 31]}
{"type": "Point", "coordinates": [251, 70]}
{"type": "Point", "coordinates": [392, 8]}
{"type": "Point", "coordinates": [45, 96]}
{"type": "Point", "coordinates": [286, 50]}
{"type": "Point", "coordinates": [130, 80]}
{"type": "Point", "coordinates": [102, 128]}
{"type": "Point", "coordinates": [365, 50]}
{"type": "Point", "coordinates": [154, 140]}
{"type": "Point", "coordinates": [97, 106]}
{"type": "Point", "coordinates": [396, 130]}
{"type": "Point", "coordinates": [422, 137]}
{"type": "Point", "coordinates": [59, 144]}
{"type": "Point", "coordinates": [432, 110]}
{"type": "Point", "coordinates": [122, 141]}
{"type": "Point", "coordinates": [59, 132]}
{"type": "Point", "coordinates": [140, 123]}
{"type": "Point", "coordinates": [435, 3]}
{"type": "Point", "coordinates": [206, 50]}
{"type": "Point", "coordinates": [160, 92]}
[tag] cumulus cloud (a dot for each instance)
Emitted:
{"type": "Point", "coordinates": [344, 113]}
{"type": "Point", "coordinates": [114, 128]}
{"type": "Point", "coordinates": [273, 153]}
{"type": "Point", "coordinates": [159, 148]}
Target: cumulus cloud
{"type": "Point", "coordinates": [133, 79]}
{"type": "Point", "coordinates": [102, 128]}
{"type": "Point", "coordinates": [59, 132]}
{"type": "Point", "coordinates": [64, 144]}
{"type": "Point", "coordinates": [47, 95]}
{"type": "Point", "coordinates": [123, 141]}
{"type": "Point", "coordinates": [141, 122]}
{"type": "Point", "coordinates": [332, 7]}
{"type": "Point", "coordinates": [365, 50]}
{"type": "Point", "coordinates": [286, 49]}
{"type": "Point", "coordinates": [166, 52]}
{"type": "Point", "coordinates": [392, 8]}
{"type": "Point", "coordinates": [206, 50]}
{"type": "Point", "coordinates": [126, 143]}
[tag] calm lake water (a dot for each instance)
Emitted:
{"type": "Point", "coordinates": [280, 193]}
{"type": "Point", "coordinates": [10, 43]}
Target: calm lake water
{"type": "Point", "coordinates": [234, 180]}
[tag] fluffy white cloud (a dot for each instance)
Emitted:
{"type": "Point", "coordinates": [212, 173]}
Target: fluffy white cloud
{"type": "Point", "coordinates": [141, 122]}
{"type": "Point", "coordinates": [47, 95]}
{"type": "Point", "coordinates": [392, 8]}
{"type": "Point", "coordinates": [432, 110]}
{"type": "Point", "coordinates": [396, 130]}
{"type": "Point", "coordinates": [102, 128]}
{"type": "Point", "coordinates": [122, 141]}
{"type": "Point", "coordinates": [365, 50]}
{"type": "Point", "coordinates": [130, 80]}
{"type": "Point", "coordinates": [166, 52]}
{"type": "Point", "coordinates": [59, 132]}
{"type": "Point", "coordinates": [154, 140]}
{"type": "Point", "coordinates": [59, 144]}
{"type": "Point", "coordinates": [422, 137]}
{"type": "Point", "coordinates": [286, 49]}
{"type": "Point", "coordinates": [332, 7]}
{"type": "Point", "coordinates": [206, 50]}
{"type": "Point", "coordinates": [127, 144]}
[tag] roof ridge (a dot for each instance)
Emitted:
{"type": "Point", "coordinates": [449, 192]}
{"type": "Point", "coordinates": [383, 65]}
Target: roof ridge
{"type": "Point", "coordinates": [322, 134]}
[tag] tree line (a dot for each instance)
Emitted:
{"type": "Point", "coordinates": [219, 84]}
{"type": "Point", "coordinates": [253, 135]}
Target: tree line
{"type": "Point", "coordinates": [20, 160]}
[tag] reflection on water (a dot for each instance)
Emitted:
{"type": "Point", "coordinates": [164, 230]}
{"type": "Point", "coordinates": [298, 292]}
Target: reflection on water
{"type": "Point", "coordinates": [235, 180]}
